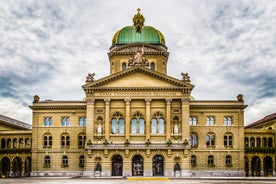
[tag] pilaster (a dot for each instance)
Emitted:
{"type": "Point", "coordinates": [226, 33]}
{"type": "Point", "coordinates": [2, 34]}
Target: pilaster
{"type": "Point", "coordinates": [168, 117]}
{"type": "Point", "coordinates": [127, 133]}
{"type": "Point", "coordinates": [90, 108]}
{"type": "Point", "coordinates": [107, 121]}
{"type": "Point", "coordinates": [148, 101]}
{"type": "Point", "coordinates": [185, 119]}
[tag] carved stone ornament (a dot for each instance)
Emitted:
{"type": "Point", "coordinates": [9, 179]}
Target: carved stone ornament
{"type": "Point", "coordinates": [185, 77]}
{"type": "Point", "coordinates": [90, 77]}
{"type": "Point", "coordinates": [138, 59]}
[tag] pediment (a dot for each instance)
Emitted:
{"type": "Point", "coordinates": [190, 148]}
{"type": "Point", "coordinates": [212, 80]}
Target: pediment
{"type": "Point", "coordinates": [138, 77]}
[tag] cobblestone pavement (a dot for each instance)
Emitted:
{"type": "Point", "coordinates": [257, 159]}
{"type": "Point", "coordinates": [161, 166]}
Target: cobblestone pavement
{"type": "Point", "coordinates": [49, 180]}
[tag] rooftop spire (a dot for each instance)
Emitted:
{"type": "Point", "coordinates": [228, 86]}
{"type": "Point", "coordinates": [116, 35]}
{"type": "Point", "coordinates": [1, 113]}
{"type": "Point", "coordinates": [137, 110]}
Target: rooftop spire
{"type": "Point", "coordinates": [138, 21]}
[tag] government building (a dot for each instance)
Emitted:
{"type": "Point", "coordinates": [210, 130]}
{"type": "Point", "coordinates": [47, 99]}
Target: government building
{"type": "Point", "coordinates": [139, 121]}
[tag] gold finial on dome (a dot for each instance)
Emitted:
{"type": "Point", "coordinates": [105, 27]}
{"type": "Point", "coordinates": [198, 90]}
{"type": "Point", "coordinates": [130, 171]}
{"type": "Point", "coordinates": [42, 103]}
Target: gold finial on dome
{"type": "Point", "coordinates": [138, 21]}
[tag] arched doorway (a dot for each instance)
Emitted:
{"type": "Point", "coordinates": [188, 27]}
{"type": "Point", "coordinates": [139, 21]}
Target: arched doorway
{"type": "Point", "coordinates": [117, 165]}
{"type": "Point", "coordinates": [28, 166]}
{"type": "Point", "coordinates": [246, 166]}
{"type": "Point", "coordinates": [158, 166]}
{"type": "Point", "coordinates": [5, 166]}
{"type": "Point", "coordinates": [17, 166]}
{"type": "Point", "coordinates": [137, 166]}
{"type": "Point", "coordinates": [268, 170]}
{"type": "Point", "coordinates": [256, 166]}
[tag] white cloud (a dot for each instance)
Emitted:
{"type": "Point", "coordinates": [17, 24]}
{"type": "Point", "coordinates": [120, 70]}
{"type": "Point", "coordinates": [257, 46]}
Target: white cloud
{"type": "Point", "coordinates": [48, 47]}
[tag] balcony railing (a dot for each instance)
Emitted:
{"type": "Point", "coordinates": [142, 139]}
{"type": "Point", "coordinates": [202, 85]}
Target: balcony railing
{"type": "Point", "coordinates": [173, 146]}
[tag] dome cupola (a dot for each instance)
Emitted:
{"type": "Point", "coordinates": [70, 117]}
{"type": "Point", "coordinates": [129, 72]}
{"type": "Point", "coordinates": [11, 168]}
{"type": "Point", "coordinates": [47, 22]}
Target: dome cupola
{"type": "Point", "coordinates": [138, 33]}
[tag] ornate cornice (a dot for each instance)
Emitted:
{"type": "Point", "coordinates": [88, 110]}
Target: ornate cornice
{"type": "Point", "coordinates": [59, 106]}
{"type": "Point", "coordinates": [216, 106]}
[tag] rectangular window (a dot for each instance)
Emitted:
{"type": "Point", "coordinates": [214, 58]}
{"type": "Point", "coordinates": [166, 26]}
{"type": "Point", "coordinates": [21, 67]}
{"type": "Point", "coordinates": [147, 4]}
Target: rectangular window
{"type": "Point", "coordinates": [193, 121]}
{"type": "Point", "coordinates": [48, 121]}
{"type": "Point", "coordinates": [210, 121]}
{"type": "Point", "coordinates": [82, 121]}
{"type": "Point", "coordinates": [65, 121]}
{"type": "Point", "coordinates": [228, 121]}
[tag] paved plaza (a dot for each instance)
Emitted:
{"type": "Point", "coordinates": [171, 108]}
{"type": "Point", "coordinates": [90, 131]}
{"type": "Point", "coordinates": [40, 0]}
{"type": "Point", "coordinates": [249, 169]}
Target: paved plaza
{"type": "Point", "coordinates": [49, 180]}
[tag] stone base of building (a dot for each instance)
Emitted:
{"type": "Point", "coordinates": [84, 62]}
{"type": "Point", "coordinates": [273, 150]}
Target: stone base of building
{"type": "Point", "coordinates": [217, 173]}
{"type": "Point", "coordinates": [57, 173]}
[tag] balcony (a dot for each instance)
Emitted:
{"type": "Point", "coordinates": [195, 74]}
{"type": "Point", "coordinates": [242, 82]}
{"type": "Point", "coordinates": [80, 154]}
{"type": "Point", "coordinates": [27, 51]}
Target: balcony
{"type": "Point", "coordinates": [122, 146]}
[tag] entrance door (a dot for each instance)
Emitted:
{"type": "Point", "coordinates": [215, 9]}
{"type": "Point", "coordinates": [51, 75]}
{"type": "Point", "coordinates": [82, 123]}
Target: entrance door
{"type": "Point", "coordinates": [117, 166]}
{"type": "Point", "coordinates": [5, 166]}
{"type": "Point", "coordinates": [158, 166]}
{"type": "Point", "coordinates": [137, 166]}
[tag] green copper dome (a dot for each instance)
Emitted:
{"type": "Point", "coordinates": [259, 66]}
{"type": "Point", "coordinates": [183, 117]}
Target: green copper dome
{"type": "Point", "coordinates": [138, 33]}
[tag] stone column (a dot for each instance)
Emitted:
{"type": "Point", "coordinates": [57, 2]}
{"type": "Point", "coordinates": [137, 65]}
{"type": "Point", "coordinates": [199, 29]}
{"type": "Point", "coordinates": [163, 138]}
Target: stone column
{"type": "Point", "coordinates": [127, 122]}
{"type": "Point", "coordinates": [107, 118]}
{"type": "Point", "coordinates": [168, 117]}
{"type": "Point", "coordinates": [148, 118]}
{"type": "Point", "coordinates": [90, 118]}
{"type": "Point", "coordinates": [23, 168]}
{"type": "Point", "coordinates": [249, 167]}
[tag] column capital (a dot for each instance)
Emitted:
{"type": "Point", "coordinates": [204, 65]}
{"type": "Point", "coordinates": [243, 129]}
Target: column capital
{"type": "Point", "coordinates": [127, 100]}
{"type": "Point", "coordinates": [107, 101]}
{"type": "Point", "coordinates": [168, 101]}
{"type": "Point", "coordinates": [185, 101]}
{"type": "Point", "coordinates": [90, 101]}
{"type": "Point", "coordinates": [148, 100]}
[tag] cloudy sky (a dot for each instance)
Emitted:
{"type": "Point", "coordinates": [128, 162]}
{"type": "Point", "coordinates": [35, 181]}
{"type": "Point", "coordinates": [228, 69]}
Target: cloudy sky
{"type": "Point", "coordinates": [48, 47]}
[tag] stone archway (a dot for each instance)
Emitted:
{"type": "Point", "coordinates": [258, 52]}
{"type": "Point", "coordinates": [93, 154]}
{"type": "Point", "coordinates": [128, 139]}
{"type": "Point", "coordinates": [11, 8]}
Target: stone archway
{"type": "Point", "coordinates": [17, 166]}
{"type": "Point", "coordinates": [256, 166]}
{"type": "Point", "coordinates": [268, 169]}
{"type": "Point", "coordinates": [5, 165]}
{"type": "Point", "coordinates": [117, 165]}
{"type": "Point", "coordinates": [158, 165]}
{"type": "Point", "coordinates": [137, 166]}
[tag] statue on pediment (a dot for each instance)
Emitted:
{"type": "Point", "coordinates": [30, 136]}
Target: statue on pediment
{"type": "Point", "coordinates": [185, 77]}
{"type": "Point", "coordinates": [90, 77]}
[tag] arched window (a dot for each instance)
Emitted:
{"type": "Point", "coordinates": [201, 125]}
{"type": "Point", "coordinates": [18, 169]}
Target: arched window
{"type": "Point", "coordinates": [82, 121]}
{"type": "Point", "coordinates": [228, 160]}
{"type": "Point", "coordinates": [47, 141]}
{"type": "Point", "coordinates": [15, 143]}
{"type": "Point", "coordinates": [27, 143]}
{"type": "Point", "coordinates": [258, 141]}
{"type": "Point", "coordinates": [270, 142]}
{"type": "Point", "coordinates": [9, 143]}
{"type": "Point", "coordinates": [152, 66]}
{"type": "Point", "coordinates": [193, 161]}
{"type": "Point", "coordinates": [65, 140]}
{"type": "Point", "coordinates": [264, 142]}
{"type": "Point", "coordinates": [137, 124]}
{"type": "Point", "coordinates": [124, 66]}
{"type": "Point", "coordinates": [117, 124]}
{"type": "Point", "coordinates": [228, 139]}
{"type": "Point", "coordinates": [210, 139]}
{"type": "Point", "coordinates": [252, 142]}
{"type": "Point", "coordinates": [158, 124]}
{"type": "Point", "coordinates": [64, 161]}
{"type": "Point", "coordinates": [211, 162]}
{"type": "Point", "coordinates": [246, 142]}
{"type": "Point", "coordinates": [81, 140]}
{"type": "Point", "coordinates": [47, 161]}
{"type": "Point", "coordinates": [81, 161]}
{"type": "Point", "coordinates": [3, 143]}
{"type": "Point", "coordinates": [194, 139]}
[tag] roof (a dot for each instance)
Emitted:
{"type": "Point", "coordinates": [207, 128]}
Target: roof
{"type": "Point", "coordinates": [14, 122]}
{"type": "Point", "coordinates": [148, 34]}
{"type": "Point", "coordinates": [263, 120]}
